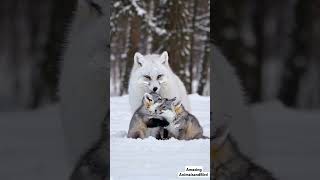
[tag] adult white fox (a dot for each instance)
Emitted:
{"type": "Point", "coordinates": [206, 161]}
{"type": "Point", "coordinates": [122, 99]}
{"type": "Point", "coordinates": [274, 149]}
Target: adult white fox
{"type": "Point", "coordinates": [229, 104]}
{"type": "Point", "coordinates": [83, 89]}
{"type": "Point", "coordinates": [152, 73]}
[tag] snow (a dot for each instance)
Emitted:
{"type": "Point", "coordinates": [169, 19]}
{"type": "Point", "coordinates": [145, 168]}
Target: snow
{"type": "Point", "coordinates": [32, 144]}
{"type": "Point", "coordinates": [149, 19]}
{"type": "Point", "coordinates": [288, 140]}
{"type": "Point", "coordinates": [116, 4]}
{"type": "Point", "coordinates": [150, 158]}
{"type": "Point", "coordinates": [140, 10]}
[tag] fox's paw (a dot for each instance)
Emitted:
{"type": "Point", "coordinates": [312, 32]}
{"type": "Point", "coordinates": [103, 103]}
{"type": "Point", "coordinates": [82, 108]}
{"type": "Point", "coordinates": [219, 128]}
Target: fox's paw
{"type": "Point", "coordinates": [136, 135]}
{"type": "Point", "coordinates": [155, 122]}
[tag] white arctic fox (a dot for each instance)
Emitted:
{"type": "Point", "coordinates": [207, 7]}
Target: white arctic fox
{"type": "Point", "coordinates": [83, 80]}
{"type": "Point", "coordinates": [152, 73]}
{"type": "Point", "coordinates": [229, 105]}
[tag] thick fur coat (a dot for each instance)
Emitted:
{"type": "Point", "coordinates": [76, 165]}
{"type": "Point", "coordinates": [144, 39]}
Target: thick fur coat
{"type": "Point", "coordinates": [153, 73]}
{"type": "Point", "coordinates": [83, 80]}
{"type": "Point", "coordinates": [228, 104]}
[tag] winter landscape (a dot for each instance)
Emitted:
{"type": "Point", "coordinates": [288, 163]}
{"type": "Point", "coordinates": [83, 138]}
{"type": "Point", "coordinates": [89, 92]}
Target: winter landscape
{"type": "Point", "coordinates": [150, 158]}
{"type": "Point", "coordinates": [272, 45]}
{"type": "Point", "coordinates": [288, 144]}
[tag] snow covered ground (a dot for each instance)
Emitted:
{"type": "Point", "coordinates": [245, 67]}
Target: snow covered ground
{"type": "Point", "coordinates": [32, 144]}
{"type": "Point", "coordinates": [288, 141]}
{"type": "Point", "coordinates": [151, 158]}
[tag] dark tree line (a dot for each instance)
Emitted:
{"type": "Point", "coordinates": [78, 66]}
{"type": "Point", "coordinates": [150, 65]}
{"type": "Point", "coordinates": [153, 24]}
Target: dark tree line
{"type": "Point", "coordinates": [179, 27]}
{"type": "Point", "coordinates": [273, 46]}
{"type": "Point", "coordinates": [32, 35]}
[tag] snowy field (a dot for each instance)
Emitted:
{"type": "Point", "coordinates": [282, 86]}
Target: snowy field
{"type": "Point", "coordinates": [32, 144]}
{"type": "Point", "coordinates": [288, 141]}
{"type": "Point", "coordinates": [150, 158]}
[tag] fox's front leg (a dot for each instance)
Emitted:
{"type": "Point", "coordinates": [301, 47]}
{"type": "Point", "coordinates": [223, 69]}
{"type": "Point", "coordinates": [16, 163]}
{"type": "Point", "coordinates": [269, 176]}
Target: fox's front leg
{"type": "Point", "coordinates": [156, 122]}
{"type": "Point", "coordinates": [136, 134]}
{"type": "Point", "coordinates": [92, 165]}
{"type": "Point", "coordinates": [163, 134]}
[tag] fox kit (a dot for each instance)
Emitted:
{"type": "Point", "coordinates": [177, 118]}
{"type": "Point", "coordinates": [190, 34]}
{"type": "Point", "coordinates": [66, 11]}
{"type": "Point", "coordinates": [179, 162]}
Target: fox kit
{"type": "Point", "coordinates": [83, 80]}
{"type": "Point", "coordinates": [152, 73]}
{"type": "Point", "coordinates": [182, 124]}
{"type": "Point", "coordinates": [93, 164]}
{"type": "Point", "coordinates": [230, 163]}
{"type": "Point", "coordinates": [144, 122]}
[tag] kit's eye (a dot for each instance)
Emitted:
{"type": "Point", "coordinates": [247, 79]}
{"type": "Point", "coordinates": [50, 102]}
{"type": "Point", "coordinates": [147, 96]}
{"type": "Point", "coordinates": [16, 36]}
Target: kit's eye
{"type": "Point", "coordinates": [147, 77]}
{"type": "Point", "coordinates": [159, 76]}
{"type": "Point", "coordinates": [159, 99]}
{"type": "Point", "coordinates": [149, 99]}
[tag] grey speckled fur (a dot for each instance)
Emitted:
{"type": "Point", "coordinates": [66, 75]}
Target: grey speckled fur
{"type": "Point", "coordinates": [144, 122]}
{"type": "Point", "coordinates": [184, 126]}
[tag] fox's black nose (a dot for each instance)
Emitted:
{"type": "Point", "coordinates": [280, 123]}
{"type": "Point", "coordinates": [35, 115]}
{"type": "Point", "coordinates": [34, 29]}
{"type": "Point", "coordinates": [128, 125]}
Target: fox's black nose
{"type": "Point", "coordinates": [155, 89]}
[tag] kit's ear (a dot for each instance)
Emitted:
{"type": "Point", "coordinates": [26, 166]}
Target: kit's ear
{"type": "Point", "coordinates": [178, 107]}
{"type": "Point", "coordinates": [138, 59]}
{"type": "Point", "coordinates": [220, 135]}
{"type": "Point", "coordinates": [164, 58]}
{"type": "Point", "coordinates": [147, 97]}
{"type": "Point", "coordinates": [178, 104]}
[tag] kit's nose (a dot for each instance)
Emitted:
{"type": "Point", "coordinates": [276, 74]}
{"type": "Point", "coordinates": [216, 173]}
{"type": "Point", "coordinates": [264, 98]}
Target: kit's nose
{"type": "Point", "coordinates": [155, 89]}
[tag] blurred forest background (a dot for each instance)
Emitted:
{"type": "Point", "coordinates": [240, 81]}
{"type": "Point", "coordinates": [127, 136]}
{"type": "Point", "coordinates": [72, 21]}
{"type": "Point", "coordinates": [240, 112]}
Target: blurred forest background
{"type": "Point", "coordinates": [275, 47]}
{"type": "Point", "coordinates": [152, 26]}
{"type": "Point", "coordinates": [32, 34]}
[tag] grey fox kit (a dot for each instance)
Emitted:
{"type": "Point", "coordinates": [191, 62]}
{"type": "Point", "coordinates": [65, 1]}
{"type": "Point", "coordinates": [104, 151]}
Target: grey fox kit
{"type": "Point", "coordinates": [93, 164]}
{"type": "Point", "coordinates": [144, 122]}
{"type": "Point", "coordinates": [229, 163]}
{"type": "Point", "coordinates": [182, 124]}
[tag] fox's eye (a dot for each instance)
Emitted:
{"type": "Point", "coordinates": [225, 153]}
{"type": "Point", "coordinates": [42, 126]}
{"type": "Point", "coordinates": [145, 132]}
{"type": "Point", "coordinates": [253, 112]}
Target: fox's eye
{"type": "Point", "coordinates": [147, 77]}
{"type": "Point", "coordinates": [159, 76]}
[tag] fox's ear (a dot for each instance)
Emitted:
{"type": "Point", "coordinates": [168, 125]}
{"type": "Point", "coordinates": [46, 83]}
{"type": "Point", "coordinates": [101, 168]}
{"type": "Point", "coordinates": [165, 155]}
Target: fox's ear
{"type": "Point", "coordinates": [178, 107]}
{"type": "Point", "coordinates": [178, 104]}
{"type": "Point", "coordinates": [147, 97]}
{"type": "Point", "coordinates": [164, 58]}
{"type": "Point", "coordinates": [138, 59]}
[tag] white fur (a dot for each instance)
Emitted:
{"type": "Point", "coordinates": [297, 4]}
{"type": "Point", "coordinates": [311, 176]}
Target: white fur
{"type": "Point", "coordinates": [154, 107]}
{"type": "Point", "coordinates": [83, 80]}
{"type": "Point", "coordinates": [173, 129]}
{"type": "Point", "coordinates": [168, 115]}
{"type": "Point", "coordinates": [169, 86]}
{"type": "Point", "coordinates": [228, 104]}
